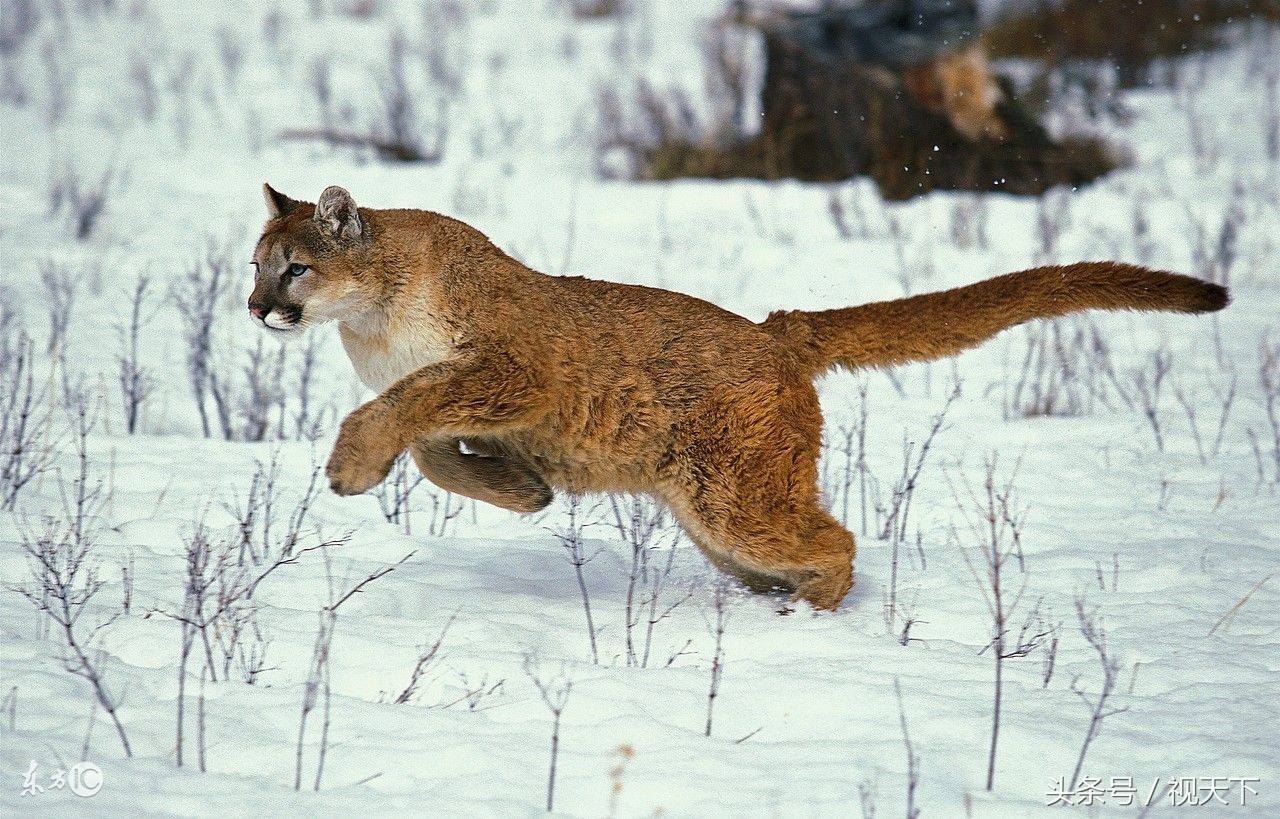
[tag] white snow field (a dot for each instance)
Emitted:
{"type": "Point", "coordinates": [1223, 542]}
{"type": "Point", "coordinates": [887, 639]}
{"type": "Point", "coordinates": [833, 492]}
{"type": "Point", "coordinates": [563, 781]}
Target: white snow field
{"type": "Point", "coordinates": [1132, 493]}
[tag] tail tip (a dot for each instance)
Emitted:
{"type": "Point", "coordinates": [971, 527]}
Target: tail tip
{"type": "Point", "coordinates": [1210, 298]}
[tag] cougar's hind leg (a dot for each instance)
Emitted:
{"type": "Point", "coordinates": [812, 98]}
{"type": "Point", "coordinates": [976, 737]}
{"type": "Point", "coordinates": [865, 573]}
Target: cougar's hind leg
{"type": "Point", "coordinates": [501, 480]}
{"type": "Point", "coordinates": [828, 568]}
{"type": "Point", "coordinates": [808, 553]}
{"type": "Point", "coordinates": [751, 502]}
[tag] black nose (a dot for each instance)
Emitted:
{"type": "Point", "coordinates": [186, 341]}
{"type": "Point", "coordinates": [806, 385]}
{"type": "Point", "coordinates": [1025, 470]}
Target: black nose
{"type": "Point", "coordinates": [257, 309]}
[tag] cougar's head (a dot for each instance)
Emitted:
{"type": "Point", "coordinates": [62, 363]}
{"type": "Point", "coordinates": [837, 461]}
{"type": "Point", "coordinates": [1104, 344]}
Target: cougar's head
{"type": "Point", "coordinates": [312, 263]}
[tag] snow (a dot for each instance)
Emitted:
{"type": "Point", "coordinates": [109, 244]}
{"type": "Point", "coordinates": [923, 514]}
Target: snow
{"type": "Point", "coordinates": [807, 713]}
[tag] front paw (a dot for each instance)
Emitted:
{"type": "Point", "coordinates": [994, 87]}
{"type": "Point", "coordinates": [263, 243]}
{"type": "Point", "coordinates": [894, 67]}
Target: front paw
{"type": "Point", "coordinates": [364, 453]}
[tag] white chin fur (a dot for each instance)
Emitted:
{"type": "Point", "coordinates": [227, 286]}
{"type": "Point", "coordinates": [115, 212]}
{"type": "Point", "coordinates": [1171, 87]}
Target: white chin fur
{"type": "Point", "coordinates": [275, 322]}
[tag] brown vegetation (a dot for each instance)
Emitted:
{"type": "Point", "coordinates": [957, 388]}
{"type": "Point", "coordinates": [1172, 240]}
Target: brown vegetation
{"type": "Point", "coordinates": [1130, 34]}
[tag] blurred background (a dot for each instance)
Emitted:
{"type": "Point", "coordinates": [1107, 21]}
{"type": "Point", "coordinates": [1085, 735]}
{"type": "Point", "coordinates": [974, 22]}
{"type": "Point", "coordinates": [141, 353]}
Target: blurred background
{"type": "Point", "coordinates": [916, 94]}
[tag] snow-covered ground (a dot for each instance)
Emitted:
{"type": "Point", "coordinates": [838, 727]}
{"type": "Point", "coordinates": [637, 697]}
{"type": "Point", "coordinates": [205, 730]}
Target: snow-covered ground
{"type": "Point", "coordinates": [1162, 539]}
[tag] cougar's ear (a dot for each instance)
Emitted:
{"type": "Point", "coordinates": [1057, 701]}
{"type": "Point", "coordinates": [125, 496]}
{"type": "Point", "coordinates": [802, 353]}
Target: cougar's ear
{"type": "Point", "coordinates": [336, 215]}
{"type": "Point", "coordinates": [277, 203]}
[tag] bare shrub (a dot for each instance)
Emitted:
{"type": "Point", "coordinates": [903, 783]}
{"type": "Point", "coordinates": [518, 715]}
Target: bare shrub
{"type": "Point", "coordinates": [1095, 633]}
{"type": "Point", "coordinates": [321, 81]}
{"type": "Point", "coordinates": [231, 50]}
{"type": "Point", "coordinates": [446, 40]}
{"type": "Point", "coordinates": [261, 398]}
{"type": "Point", "coordinates": [81, 199]}
{"type": "Point", "coordinates": [318, 679]}
{"type": "Point", "coordinates": [1269, 381]}
{"type": "Point", "coordinates": [1050, 661]}
{"type": "Point", "coordinates": [570, 537]}
{"type": "Point", "coordinates": [896, 518]}
{"type": "Point", "coordinates": [198, 581]}
{"type": "Point", "coordinates": [84, 504]}
{"type": "Point", "coordinates": [642, 526]}
{"type": "Point", "coordinates": [64, 579]}
{"type": "Point", "coordinates": [403, 120]}
{"type": "Point", "coordinates": [269, 533]}
{"type": "Point", "coordinates": [852, 448]}
{"type": "Point", "coordinates": [274, 23]}
{"type": "Point", "coordinates": [651, 133]}
{"type": "Point", "coordinates": [1191, 406]}
{"type": "Point", "coordinates": [136, 380]}
{"type": "Point", "coordinates": [476, 692]}
{"type": "Point", "coordinates": [13, 84]}
{"type": "Point", "coordinates": [12, 327]}
{"type": "Point", "coordinates": [717, 623]}
{"type": "Point", "coordinates": [178, 82]}
{"type": "Point", "coordinates": [65, 582]}
{"type": "Point", "coordinates": [27, 439]}
{"type": "Point", "coordinates": [10, 704]}
{"type": "Point", "coordinates": [554, 690]}
{"type": "Point", "coordinates": [995, 524]}
{"type": "Point", "coordinates": [61, 286]}
{"type": "Point", "coordinates": [657, 132]}
{"type": "Point", "coordinates": [361, 9]}
{"type": "Point", "coordinates": [1066, 369]}
{"type": "Point", "coordinates": [260, 534]}
{"type": "Point", "coordinates": [427, 656]}
{"type": "Point", "coordinates": [394, 493]}
{"type": "Point", "coordinates": [251, 652]}
{"type": "Point", "coordinates": [200, 298]}
{"type": "Point", "coordinates": [1189, 98]}
{"type": "Point", "coordinates": [1140, 224]}
{"type": "Point", "coordinates": [309, 420]}
{"type": "Point", "coordinates": [217, 606]}
{"type": "Point", "coordinates": [1113, 575]}
{"type": "Point", "coordinates": [1229, 617]}
{"type": "Point", "coordinates": [896, 514]}
{"type": "Point", "coordinates": [913, 759]}
{"type": "Point", "coordinates": [1148, 384]}
{"type": "Point", "coordinates": [127, 574]}
{"type": "Point", "coordinates": [867, 798]}
{"type": "Point", "coordinates": [402, 130]}
{"type": "Point", "coordinates": [633, 39]}
{"type": "Point", "coordinates": [444, 511]}
{"type": "Point", "coordinates": [146, 89]}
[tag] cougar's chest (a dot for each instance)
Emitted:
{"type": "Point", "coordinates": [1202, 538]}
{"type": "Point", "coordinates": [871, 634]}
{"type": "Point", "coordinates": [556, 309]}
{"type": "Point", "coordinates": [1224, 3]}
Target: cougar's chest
{"type": "Point", "coordinates": [382, 358]}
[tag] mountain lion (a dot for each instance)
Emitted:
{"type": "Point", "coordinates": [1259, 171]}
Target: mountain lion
{"type": "Point", "coordinates": [505, 383]}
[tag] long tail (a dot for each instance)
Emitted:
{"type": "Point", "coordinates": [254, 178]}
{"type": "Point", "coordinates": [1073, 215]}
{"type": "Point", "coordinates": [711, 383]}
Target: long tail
{"type": "Point", "coordinates": [936, 325]}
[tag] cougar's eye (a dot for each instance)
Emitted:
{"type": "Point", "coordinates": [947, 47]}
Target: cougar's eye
{"type": "Point", "coordinates": [295, 270]}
